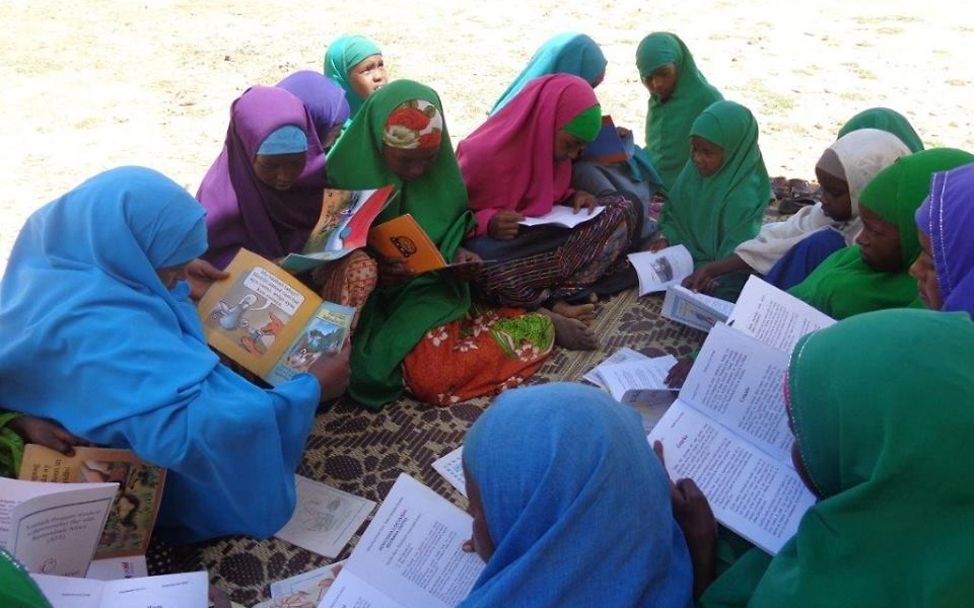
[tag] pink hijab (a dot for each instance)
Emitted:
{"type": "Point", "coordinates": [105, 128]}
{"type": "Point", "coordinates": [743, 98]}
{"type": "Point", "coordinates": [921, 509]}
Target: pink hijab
{"type": "Point", "coordinates": [508, 162]}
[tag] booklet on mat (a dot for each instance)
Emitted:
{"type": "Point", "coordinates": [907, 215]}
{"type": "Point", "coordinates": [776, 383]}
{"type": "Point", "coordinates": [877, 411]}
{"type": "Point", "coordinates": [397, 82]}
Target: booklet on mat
{"type": "Point", "coordinates": [325, 518]}
{"type": "Point", "coordinates": [304, 590]}
{"type": "Point", "coordinates": [450, 466]}
{"type": "Point", "coordinates": [53, 528]}
{"type": "Point", "coordinates": [410, 556]}
{"type": "Point", "coordinates": [660, 270]}
{"type": "Point", "coordinates": [268, 321]}
{"type": "Point", "coordinates": [697, 310]}
{"type": "Point", "coordinates": [343, 227]}
{"type": "Point", "coordinates": [185, 590]}
{"type": "Point", "coordinates": [608, 147]}
{"type": "Point", "coordinates": [131, 519]}
{"type": "Point", "coordinates": [563, 216]}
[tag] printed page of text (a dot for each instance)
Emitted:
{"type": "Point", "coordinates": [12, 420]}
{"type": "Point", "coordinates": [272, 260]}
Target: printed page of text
{"type": "Point", "coordinates": [775, 317]}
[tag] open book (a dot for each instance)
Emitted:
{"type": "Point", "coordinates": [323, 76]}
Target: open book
{"type": "Point", "coordinates": [410, 555]}
{"type": "Point", "coordinates": [325, 518]}
{"type": "Point", "coordinates": [186, 590]}
{"type": "Point", "coordinates": [774, 316]}
{"type": "Point", "coordinates": [660, 270]}
{"type": "Point", "coordinates": [697, 310]}
{"type": "Point", "coordinates": [53, 528]}
{"type": "Point", "coordinates": [608, 147]}
{"type": "Point", "coordinates": [268, 321]}
{"type": "Point", "coordinates": [343, 226]}
{"type": "Point", "coordinates": [563, 216]}
{"type": "Point", "coordinates": [132, 517]}
{"type": "Point", "coordinates": [404, 240]}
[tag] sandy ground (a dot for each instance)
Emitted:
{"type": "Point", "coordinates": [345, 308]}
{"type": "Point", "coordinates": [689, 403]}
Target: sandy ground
{"type": "Point", "coordinates": [94, 84]}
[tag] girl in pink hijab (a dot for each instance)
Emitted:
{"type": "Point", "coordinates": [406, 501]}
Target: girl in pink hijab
{"type": "Point", "coordinates": [518, 164]}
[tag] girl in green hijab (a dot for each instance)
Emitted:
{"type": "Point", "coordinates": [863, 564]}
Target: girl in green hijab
{"type": "Point", "coordinates": [873, 273]}
{"type": "Point", "coordinates": [420, 330]}
{"type": "Point", "coordinates": [721, 195]}
{"type": "Point", "coordinates": [678, 93]}
{"type": "Point", "coordinates": [886, 453]}
{"type": "Point", "coordinates": [355, 63]}
{"type": "Point", "coordinates": [887, 120]}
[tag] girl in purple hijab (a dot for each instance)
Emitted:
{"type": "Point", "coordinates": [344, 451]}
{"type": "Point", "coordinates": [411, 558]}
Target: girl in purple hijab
{"type": "Point", "coordinates": [264, 190]}
{"type": "Point", "coordinates": [324, 100]}
{"type": "Point", "coordinates": [945, 268]}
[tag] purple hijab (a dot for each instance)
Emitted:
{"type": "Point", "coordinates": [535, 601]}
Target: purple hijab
{"type": "Point", "coordinates": [241, 210]}
{"type": "Point", "coordinates": [324, 99]}
{"type": "Point", "coordinates": [947, 218]}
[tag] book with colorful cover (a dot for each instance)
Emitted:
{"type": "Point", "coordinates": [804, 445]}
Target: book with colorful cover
{"type": "Point", "coordinates": [608, 147]}
{"type": "Point", "coordinates": [343, 226]}
{"type": "Point", "coordinates": [132, 517]}
{"type": "Point", "coordinates": [404, 240]}
{"type": "Point", "coordinates": [268, 321]}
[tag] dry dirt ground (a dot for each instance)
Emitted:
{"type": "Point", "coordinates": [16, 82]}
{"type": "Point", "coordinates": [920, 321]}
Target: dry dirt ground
{"type": "Point", "coordinates": [94, 84]}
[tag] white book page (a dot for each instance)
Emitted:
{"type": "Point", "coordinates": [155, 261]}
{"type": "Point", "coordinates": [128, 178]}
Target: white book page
{"type": "Point", "coordinates": [351, 591]}
{"type": "Point", "coordinates": [774, 316]}
{"type": "Point", "coordinates": [70, 592]}
{"type": "Point", "coordinates": [412, 549]}
{"type": "Point", "coordinates": [563, 215]}
{"type": "Point", "coordinates": [451, 468]}
{"type": "Point", "coordinates": [739, 382]}
{"type": "Point", "coordinates": [307, 580]}
{"type": "Point", "coordinates": [114, 568]}
{"type": "Point", "coordinates": [657, 271]}
{"type": "Point", "coordinates": [186, 590]}
{"type": "Point", "coordinates": [620, 356]}
{"type": "Point", "coordinates": [325, 518]}
{"type": "Point", "coordinates": [750, 493]}
{"type": "Point", "coordinates": [697, 310]}
{"type": "Point", "coordinates": [641, 374]}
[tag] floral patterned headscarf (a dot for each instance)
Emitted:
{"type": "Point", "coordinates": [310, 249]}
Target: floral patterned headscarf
{"type": "Point", "coordinates": [414, 124]}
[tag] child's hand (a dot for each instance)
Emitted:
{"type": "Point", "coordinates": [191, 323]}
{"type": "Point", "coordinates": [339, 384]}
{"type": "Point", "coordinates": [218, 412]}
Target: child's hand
{"type": "Point", "coordinates": [703, 280]}
{"type": "Point", "coordinates": [45, 432]}
{"type": "Point", "coordinates": [623, 132]}
{"type": "Point", "coordinates": [332, 371]}
{"type": "Point", "coordinates": [393, 272]}
{"type": "Point", "coordinates": [200, 274]}
{"type": "Point", "coordinates": [504, 225]}
{"type": "Point", "coordinates": [472, 263]}
{"type": "Point", "coordinates": [678, 373]}
{"type": "Point", "coordinates": [583, 200]}
{"type": "Point", "coordinates": [658, 245]}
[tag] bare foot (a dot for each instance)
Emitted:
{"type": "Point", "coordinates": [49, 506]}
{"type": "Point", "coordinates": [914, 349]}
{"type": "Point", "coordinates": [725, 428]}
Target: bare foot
{"type": "Point", "coordinates": [571, 333]}
{"type": "Point", "coordinates": [583, 312]}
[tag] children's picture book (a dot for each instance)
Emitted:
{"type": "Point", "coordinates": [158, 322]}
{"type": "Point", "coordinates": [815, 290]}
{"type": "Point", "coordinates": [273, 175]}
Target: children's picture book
{"type": "Point", "coordinates": [325, 518]}
{"type": "Point", "coordinates": [304, 590]}
{"type": "Point", "coordinates": [343, 227]}
{"type": "Point", "coordinates": [268, 321]}
{"type": "Point", "coordinates": [53, 528]}
{"type": "Point", "coordinates": [403, 239]}
{"type": "Point", "coordinates": [132, 516]}
{"type": "Point", "coordinates": [728, 431]}
{"type": "Point", "coordinates": [563, 216]}
{"type": "Point", "coordinates": [662, 269]}
{"type": "Point", "coordinates": [697, 310]}
{"type": "Point", "coordinates": [185, 590]}
{"type": "Point", "coordinates": [608, 147]}
{"type": "Point", "coordinates": [410, 556]}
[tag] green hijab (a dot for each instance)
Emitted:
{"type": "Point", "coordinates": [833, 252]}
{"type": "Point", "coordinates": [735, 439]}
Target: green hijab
{"type": "Point", "coordinates": [11, 445]}
{"type": "Point", "coordinates": [713, 215]}
{"type": "Point", "coordinates": [343, 54]}
{"type": "Point", "coordinates": [668, 124]}
{"type": "Point", "coordinates": [17, 588]}
{"type": "Point", "coordinates": [887, 120]}
{"type": "Point", "coordinates": [395, 318]}
{"type": "Point", "coordinates": [844, 285]}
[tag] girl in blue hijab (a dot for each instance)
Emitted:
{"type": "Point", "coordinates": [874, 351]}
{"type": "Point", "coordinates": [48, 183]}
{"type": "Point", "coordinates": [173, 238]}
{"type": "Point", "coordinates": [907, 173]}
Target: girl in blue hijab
{"type": "Point", "coordinates": [570, 506]}
{"type": "Point", "coordinates": [100, 334]}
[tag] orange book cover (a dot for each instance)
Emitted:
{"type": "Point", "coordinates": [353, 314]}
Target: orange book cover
{"type": "Point", "coordinates": [403, 239]}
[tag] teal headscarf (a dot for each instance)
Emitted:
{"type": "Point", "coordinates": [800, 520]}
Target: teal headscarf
{"type": "Point", "coordinates": [713, 215]}
{"type": "Point", "coordinates": [344, 53]}
{"type": "Point", "coordinates": [668, 124]}
{"type": "Point", "coordinates": [567, 53]}
{"type": "Point", "coordinates": [887, 120]}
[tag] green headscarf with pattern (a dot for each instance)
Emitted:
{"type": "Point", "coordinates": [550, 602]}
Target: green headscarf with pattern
{"type": "Point", "coordinates": [668, 124]}
{"type": "Point", "coordinates": [395, 318]}
{"type": "Point", "coordinates": [887, 120]}
{"type": "Point", "coordinates": [844, 285]}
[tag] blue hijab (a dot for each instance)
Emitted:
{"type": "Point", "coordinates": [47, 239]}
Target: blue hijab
{"type": "Point", "coordinates": [567, 53]}
{"type": "Point", "coordinates": [95, 340]}
{"type": "Point", "coordinates": [577, 505]}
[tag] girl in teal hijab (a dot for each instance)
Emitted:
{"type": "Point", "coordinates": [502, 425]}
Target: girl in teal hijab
{"type": "Point", "coordinates": [355, 64]}
{"type": "Point", "coordinates": [873, 273]}
{"type": "Point", "coordinates": [678, 94]}
{"type": "Point", "coordinates": [719, 199]}
{"type": "Point", "coordinates": [887, 120]}
{"type": "Point", "coordinates": [567, 53]}
{"type": "Point", "coordinates": [884, 445]}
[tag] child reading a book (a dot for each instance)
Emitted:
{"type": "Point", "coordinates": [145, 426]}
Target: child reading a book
{"type": "Point", "coordinates": [324, 100]}
{"type": "Point", "coordinates": [787, 252]}
{"type": "Point", "coordinates": [720, 197]}
{"type": "Point", "coordinates": [678, 94]}
{"type": "Point", "coordinates": [356, 64]}
{"type": "Point", "coordinates": [566, 53]}
{"type": "Point", "coordinates": [264, 192]}
{"type": "Point", "coordinates": [944, 270]}
{"type": "Point", "coordinates": [420, 329]}
{"type": "Point", "coordinates": [886, 455]}
{"type": "Point", "coordinates": [873, 273]}
{"type": "Point", "coordinates": [569, 505]}
{"type": "Point", "coordinates": [116, 353]}
{"type": "Point", "coordinates": [518, 164]}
